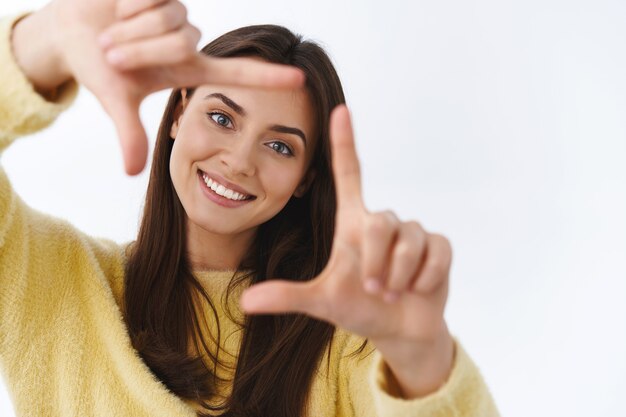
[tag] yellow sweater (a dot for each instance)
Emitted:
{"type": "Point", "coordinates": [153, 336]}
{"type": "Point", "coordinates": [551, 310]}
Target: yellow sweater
{"type": "Point", "coordinates": [64, 348]}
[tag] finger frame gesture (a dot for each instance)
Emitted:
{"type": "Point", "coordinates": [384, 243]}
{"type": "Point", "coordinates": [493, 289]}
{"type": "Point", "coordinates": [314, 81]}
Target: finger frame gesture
{"type": "Point", "coordinates": [386, 280]}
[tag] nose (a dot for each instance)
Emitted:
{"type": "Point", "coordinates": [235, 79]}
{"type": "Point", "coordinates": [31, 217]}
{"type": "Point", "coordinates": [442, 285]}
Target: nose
{"type": "Point", "coordinates": [239, 158]}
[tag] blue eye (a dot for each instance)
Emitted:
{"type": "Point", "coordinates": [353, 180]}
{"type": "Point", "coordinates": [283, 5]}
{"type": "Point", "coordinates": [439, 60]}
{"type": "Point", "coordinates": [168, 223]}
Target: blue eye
{"type": "Point", "coordinates": [281, 148]}
{"type": "Point", "coordinates": [221, 119]}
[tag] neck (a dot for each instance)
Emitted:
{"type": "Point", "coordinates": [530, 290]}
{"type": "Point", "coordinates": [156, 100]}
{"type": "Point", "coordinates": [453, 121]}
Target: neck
{"type": "Point", "coordinates": [213, 251]}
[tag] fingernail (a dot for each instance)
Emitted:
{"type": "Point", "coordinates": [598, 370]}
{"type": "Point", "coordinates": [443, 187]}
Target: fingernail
{"type": "Point", "coordinates": [115, 57]}
{"type": "Point", "coordinates": [391, 296]}
{"type": "Point", "coordinates": [372, 286]}
{"type": "Point", "coordinates": [105, 40]}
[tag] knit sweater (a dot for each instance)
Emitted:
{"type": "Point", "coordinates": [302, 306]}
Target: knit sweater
{"type": "Point", "coordinates": [65, 349]}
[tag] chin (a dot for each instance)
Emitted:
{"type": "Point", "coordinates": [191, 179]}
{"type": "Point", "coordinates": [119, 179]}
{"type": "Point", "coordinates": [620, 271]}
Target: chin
{"type": "Point", "coordinates": [220, 227]}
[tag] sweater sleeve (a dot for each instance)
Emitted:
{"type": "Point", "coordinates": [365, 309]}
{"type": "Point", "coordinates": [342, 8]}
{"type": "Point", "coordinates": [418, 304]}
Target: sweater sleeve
{"type": "Point", "coordinates": [35, 248]}
{"type": "Point", "coordinates": [366, 388]}
{"type": "Point", "coordinates": [22, 111]}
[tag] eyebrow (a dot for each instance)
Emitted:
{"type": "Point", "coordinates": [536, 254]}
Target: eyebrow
{"type": "Point", "coordinates": [236, 107]}
{"type": "Point", "coordinates": [240, 111]}
{"type": "Point", "coordinates": [291, 130]}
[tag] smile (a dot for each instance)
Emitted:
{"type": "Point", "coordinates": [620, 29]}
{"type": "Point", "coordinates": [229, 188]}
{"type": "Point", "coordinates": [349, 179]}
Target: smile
{"type": "Point", "coordinates": [223, 194]}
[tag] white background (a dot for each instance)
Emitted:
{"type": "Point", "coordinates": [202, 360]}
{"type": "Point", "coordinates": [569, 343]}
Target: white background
{"type": "Point", "coordinates": [498, 123]}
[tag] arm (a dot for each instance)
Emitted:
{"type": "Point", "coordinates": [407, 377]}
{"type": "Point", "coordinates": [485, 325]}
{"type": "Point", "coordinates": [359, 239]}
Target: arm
{"type": "Point", "coordinates": [22, 109]}
{"type": "Point", "coordinates": [387, 281]}
{"type": "Point", "coordinates": [368, 388]}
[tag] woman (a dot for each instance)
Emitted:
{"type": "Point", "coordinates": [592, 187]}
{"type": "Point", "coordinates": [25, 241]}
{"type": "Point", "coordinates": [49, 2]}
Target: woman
{"type": "Point", "coordinates": [242, 192]}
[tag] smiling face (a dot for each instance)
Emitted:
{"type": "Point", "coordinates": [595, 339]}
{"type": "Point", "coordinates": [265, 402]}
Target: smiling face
{"type": "Point", "coordinates": [239, 155]}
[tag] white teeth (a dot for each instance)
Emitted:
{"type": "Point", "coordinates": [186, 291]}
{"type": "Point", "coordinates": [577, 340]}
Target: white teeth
{"type": "Point", "coordinates": [221, 190]}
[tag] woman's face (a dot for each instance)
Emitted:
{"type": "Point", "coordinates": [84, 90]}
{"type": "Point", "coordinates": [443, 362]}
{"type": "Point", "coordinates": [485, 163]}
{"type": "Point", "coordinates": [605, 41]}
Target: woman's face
{"type": "Point", "coordinates": [239, 155]}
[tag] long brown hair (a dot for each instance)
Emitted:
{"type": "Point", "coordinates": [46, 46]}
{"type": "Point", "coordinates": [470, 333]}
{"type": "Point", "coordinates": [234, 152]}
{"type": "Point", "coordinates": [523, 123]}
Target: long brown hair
{"type": "Point", "coordinates": [160, 287]}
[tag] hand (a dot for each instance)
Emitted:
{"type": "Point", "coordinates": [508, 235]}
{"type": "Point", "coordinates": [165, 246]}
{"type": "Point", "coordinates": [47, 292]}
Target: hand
{"type": "Point", "coordinates": [158, 45]}
{"type": "Point", "coordinates": [386, 280]}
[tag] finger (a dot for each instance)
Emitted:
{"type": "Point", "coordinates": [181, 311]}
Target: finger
{"type": "Point", "coordinates": [406, 257]}
{"type": "Point", "coordinates": [345, 161]}
{"type": "Point", "coordinates": [159, 20]}
{"type": "Point", "coordinates": [179, 46]}
{"type": "Point", "coordinates": [245, 72]}
{"type": "Point", "coordinates": [127, 8]}
{"type": "Point", "coordinates": [132, 137]}
{"type": "Point", "coordinates": [380, 233]}
{"type": "Point", "coordinates": [436, 267]}
{"type": "Point", "coordinates": [283, 297]}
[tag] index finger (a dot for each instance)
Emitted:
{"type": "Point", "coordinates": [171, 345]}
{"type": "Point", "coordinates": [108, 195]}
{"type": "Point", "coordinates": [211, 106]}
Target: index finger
{"type": "Point", "coordinates": [245, 72]}
{"type": "Point", "coordinates": [346, 167]}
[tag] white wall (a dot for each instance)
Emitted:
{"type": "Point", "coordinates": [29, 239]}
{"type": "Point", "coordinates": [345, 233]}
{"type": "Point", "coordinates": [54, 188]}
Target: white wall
{"type": "Point", "coordinates": [499, 123]}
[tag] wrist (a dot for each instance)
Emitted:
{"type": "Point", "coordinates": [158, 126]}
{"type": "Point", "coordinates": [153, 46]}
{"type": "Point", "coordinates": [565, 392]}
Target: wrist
{"type": "Point", "coordinates": [37, 53]}
{"type": "Point", "coordinates": [417, 369]}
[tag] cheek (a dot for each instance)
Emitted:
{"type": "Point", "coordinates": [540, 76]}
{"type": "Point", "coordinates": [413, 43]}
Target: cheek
{"type": "Point", "coordinates": [281, 182]}
{"type": "Point", "coordinates": [186, 151]}
{"type": "Point", "coordinates": [190, 148]}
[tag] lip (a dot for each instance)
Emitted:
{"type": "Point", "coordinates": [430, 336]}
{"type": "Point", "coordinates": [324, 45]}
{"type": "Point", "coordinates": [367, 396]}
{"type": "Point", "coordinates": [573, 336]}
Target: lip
{"type": "Point", "coordinates": [218, 199]}
{"type": "Point", "coordinates": [226, 183]}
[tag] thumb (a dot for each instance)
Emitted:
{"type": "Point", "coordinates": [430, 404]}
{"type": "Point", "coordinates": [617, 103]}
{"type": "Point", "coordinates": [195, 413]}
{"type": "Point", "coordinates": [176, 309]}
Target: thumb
{"type": "Point", "coordinates": [124, 111]}
{"type": "Point", "coordinates": [281, 297]}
